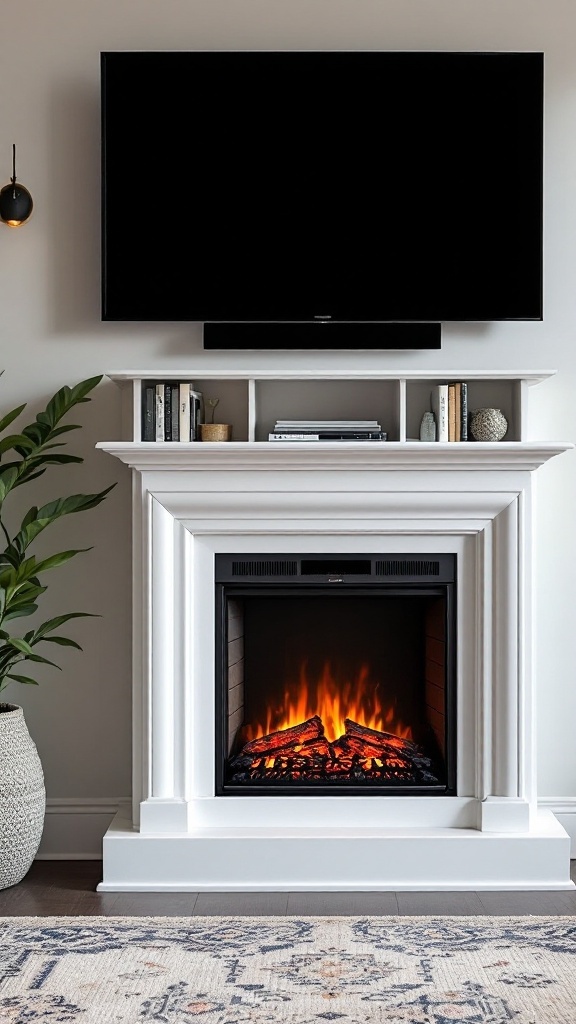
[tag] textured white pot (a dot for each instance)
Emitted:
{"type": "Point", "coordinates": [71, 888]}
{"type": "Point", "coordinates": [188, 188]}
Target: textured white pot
{"type": "Point", "coordinates": [22, 796]}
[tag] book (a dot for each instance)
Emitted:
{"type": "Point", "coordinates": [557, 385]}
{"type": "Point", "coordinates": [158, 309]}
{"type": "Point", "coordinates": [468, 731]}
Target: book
{"type": "Point", "coordinates": [327, 427]}
{"type": "Point", "coordinates": [184, 411]}
{"type": "Point", "coordinates": [336, 431]}
{"type": "Point", "coordinates": [196, 413]}
{"type": "Point", "coordinates": [175, 411]}
{"type": "Point", "coordinates": [451, 412]}
{"type": "Point", "coordinates": [344, 435]}
{"type": "Point", "coordinates": [148, 412]}
{"type": "Point", "coordinates": [439, 401]}
{"type": "Point", "coordinates": [167, 411]}
{"type": "Point", "coordinates": [159, 417]}
{"type": "Point", "coordinates": [458, 411]}
{"type": "Point", "coordinates": [463, 411]}
{"type": "Point", "coordinates": [327, 424]}
{"type": "Point", "coordinates": [276, 436]}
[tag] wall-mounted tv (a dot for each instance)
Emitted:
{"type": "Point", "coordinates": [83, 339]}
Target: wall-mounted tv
{"type": "Point", "coordinates": [333, 199]}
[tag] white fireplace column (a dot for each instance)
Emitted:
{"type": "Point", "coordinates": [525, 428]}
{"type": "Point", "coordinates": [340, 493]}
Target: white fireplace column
{"type": "Point", "coordinates": [192, 501]}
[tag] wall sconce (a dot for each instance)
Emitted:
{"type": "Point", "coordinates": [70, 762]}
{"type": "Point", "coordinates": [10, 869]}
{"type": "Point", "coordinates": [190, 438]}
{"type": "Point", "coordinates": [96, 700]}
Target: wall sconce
{"type": "Point", "coordinates": [15, 200]}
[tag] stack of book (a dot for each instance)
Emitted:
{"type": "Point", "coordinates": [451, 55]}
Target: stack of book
{"type": "Point", "coordinates": [171, 411]}
{"type": "Point", "coordinates": [327, 430]}
{"type": "Point", "coordinates": [450, 408]}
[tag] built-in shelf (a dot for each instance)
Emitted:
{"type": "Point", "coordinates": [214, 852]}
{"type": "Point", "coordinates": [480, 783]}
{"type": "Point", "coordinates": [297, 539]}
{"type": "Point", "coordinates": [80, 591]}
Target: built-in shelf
{"type": "Point", "coordinates": [253, 400]}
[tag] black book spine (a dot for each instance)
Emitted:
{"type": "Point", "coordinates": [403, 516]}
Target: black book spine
{"type": "Point", "coordinates": [463, 412]}
{"type": "Point", "coordinates": [194, 417]}
{"type": "Point", "coordinates": [148, 413]}
{"type": "Point", "coordinates": [175, 412]}
{"type": "Point", "coordinates": [167, 412]}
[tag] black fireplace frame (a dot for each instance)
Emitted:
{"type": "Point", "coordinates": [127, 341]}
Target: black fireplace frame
{"type": "Point", "coordinates": [241, 575]}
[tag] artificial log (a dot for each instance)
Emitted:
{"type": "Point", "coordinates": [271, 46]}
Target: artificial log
{"type": "Point", "coordinates": [350, 745]}
{"type": "Point", "coordinates": [317, 748]}
{"type": "Point", "coordinates": [360, 755]}
{"type": "Point", "coordinates": [311, 729]}
{"type": "Point", "coordinates": [375, 736]}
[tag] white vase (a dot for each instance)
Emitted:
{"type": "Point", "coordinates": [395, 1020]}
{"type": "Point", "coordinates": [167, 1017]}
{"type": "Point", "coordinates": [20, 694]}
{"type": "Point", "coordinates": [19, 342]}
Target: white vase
{"type": "Point", "coordinates": [22, 796]}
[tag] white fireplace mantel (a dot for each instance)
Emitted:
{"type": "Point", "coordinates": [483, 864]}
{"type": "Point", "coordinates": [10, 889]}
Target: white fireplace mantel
{"type": "Point", "coordinates": [392, 456]}
{"type": "Point", "coordinates": [192, 501]}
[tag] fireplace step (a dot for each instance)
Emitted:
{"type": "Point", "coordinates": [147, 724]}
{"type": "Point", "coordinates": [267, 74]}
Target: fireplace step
{"type": "Point", "coordinates": [330, 859]}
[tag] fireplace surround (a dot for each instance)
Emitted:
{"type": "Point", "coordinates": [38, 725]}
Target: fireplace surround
{"type": "Point", "coordinates": [195, 504]}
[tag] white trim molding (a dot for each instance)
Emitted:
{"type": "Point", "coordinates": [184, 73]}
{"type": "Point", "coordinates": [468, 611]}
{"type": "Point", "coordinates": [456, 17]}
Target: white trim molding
{"type": "Point", "coordinates": [74, 826]}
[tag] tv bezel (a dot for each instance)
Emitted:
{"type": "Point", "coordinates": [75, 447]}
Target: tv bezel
{"type": "Point", "coordinates": [297, 333]}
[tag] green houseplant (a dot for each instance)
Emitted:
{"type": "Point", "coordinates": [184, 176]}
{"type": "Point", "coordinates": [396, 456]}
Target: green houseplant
{"type": "Point", "coordinates": [24, 456]}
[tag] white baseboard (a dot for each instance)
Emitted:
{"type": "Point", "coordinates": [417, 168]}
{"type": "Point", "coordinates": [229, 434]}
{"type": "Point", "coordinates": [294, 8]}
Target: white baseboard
{"type": "Point", "coordinates": [75, 826]}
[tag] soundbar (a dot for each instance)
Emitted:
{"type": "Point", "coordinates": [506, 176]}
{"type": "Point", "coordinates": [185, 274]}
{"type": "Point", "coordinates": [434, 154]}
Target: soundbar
{"type": "Point", "coordinates": [323, 335]}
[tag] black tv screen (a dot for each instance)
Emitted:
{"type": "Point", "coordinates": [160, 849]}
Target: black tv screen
{"type": "Point", "coordinates": [306, 187]}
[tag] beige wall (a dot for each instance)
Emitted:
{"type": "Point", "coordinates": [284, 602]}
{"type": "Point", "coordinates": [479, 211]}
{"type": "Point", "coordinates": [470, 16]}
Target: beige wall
{"type": "Point", "coordinates": [51, 332]}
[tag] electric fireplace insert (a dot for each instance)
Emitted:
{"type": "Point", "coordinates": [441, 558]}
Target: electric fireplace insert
{"type": "Point", "coordinates": [335, 674]}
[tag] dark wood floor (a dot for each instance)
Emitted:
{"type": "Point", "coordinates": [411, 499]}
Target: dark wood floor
{"type": "Point", "coordinates": [68, 888]}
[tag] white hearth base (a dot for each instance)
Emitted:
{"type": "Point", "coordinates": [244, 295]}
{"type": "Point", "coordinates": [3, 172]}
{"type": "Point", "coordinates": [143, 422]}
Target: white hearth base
{"type": "Point", "coordinates": [336, 859]}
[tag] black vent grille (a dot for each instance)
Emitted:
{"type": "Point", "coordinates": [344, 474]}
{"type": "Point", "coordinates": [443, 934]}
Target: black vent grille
{"type": "Point", "coordinates": [407, 567]}
{"type": "Point", "coordinates": [264, 568]}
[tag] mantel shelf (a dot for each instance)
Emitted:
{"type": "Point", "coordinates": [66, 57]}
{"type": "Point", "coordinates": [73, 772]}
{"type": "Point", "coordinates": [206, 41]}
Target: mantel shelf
{"type": "Point", "coordinates": [306, 373]}
{"type": "Point", "coordinates": [349, 456]}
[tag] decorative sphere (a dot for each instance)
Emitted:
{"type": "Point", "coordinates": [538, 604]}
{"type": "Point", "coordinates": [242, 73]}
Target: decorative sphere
{"type": "Point", "coordinates": [488, 425]}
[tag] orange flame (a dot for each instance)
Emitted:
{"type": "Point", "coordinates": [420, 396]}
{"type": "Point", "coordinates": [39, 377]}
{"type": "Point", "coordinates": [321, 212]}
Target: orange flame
{"type": "Point", "coordinates": [332, 700]}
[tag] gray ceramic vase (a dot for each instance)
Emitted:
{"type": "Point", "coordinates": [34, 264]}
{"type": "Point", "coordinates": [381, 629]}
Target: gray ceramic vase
{"type": "Point", "coordinates": [22, 796]}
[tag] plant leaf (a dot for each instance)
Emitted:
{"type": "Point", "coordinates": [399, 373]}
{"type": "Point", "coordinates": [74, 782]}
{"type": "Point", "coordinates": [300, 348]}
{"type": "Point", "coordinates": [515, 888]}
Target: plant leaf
{"type": "Point", "coordinates": [59, 559]}
{"type": "Point", "coordinates": [51, 624]}
{"type": "Point", "coordinates": [8, 477]}
{"type": "Point", "coordinates": [44, 661]}
{"type": "Point", "coordinates": [30, 476]}
{"type": "Point", "coordinates": [18, 613]}
{"type": "Point", "coordinates": [14, 440]}
{"type": "Point", "coordinates": [37, 519]}
{"type": "Point", "coordinates": [64, 429]}
{"type": "Point", "coordinates": [64, 641]}
{"type": "Point", "coordinates": [20, 645]}
{"type": "Point", "coordinates": [65, 399]}
{"type": "Point", "coordinates": [10, 416]}
{"type": "Point", "coordinates": [22, 679]}
{"type": "Point", "coordinates": [28, 592]}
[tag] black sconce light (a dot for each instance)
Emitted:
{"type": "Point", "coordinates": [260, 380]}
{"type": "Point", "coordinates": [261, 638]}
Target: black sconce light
{"type": "Point", "coordinates": [15, 200]}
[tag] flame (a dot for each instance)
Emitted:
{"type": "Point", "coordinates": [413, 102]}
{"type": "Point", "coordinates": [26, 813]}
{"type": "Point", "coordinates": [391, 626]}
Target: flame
{"type": "Point", "coordinates": [332, 699]}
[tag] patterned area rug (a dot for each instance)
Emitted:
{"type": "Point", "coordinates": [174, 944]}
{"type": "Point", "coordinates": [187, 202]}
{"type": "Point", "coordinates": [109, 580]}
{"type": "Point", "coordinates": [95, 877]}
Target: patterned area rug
{"type": "Point", "coordinates": [265, 970]}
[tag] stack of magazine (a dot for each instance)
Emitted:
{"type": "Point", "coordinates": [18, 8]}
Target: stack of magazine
{"type": "Point", "coordinates": [327, 430]}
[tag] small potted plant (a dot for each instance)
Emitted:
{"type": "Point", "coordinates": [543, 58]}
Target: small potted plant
{"type": "Point", "coordinates": [24, 456]}
{"type": "Point", "coordinates": [215, 431]}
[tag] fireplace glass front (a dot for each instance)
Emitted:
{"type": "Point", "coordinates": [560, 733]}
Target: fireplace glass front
{"type": "Point", "coordinates": [335, 674]}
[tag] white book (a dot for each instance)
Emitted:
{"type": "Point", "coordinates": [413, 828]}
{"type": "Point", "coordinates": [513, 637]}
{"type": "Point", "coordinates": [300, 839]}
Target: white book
{"type": "Point", "coordinates": [159, 412]}
{"type": "Point", "coordinates": [276, 436]}
{"type": "Point", "coordinates": [196, 412]}
{"type": "Point", "coordinates": [327, 424]}
{"type": "Point", "coordinates": [439, 399]}
{"type": "Point", "coordinates": [184, 391]}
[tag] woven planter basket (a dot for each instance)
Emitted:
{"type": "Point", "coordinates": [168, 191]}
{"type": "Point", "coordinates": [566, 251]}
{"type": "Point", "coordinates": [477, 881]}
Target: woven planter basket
{"type": "Point", "coordinates": [22, 796]}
